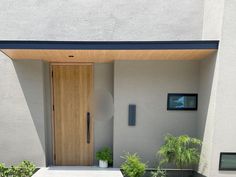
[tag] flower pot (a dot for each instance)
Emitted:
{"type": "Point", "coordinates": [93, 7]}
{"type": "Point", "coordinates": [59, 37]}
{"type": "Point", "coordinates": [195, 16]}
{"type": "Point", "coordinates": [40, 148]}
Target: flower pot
{"type": "Point", "coordinates": [103, 164]}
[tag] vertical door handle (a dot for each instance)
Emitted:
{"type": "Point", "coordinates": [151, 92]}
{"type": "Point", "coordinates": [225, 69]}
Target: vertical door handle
{"type": "Point", "coordinates": [88, 127]}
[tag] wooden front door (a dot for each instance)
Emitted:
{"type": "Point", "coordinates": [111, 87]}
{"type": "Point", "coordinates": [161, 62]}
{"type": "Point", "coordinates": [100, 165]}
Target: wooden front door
{"type": "Point", "coordinates": [73, 122]}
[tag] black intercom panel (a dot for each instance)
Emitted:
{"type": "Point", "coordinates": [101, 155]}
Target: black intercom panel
{"type": "Point", "coordinates": [132, 115]}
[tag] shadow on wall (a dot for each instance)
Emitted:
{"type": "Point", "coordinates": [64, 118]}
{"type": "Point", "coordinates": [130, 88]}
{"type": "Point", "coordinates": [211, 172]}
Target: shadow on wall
{"type": "Point", "coordinates": [47, 114]}
{"type": "Point", "coordinates": [206, 110]}
{"type": "Point", "coordinates": [30, 76]}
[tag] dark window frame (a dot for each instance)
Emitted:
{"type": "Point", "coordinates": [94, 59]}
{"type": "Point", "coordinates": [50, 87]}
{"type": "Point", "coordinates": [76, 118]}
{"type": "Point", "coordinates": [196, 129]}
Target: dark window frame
{"type": "Point", "coordinates": [220, 164]}
{"type": "Point", "coordinates": [181, 94]}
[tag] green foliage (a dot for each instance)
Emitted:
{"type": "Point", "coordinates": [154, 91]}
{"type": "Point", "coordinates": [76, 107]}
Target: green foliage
{"type": "Point", "coordinates": [4, 171]}
{"type": "Point", "coordinates": [132, 166]}
{"type": "Point", "coordinates": [104, 154]}
{"type": "Point", "coordinates": [158, 173]}
{"type": "Point", "coordinates": [24, 169]}
{"type": "Point", "coordinates": [182, 151]}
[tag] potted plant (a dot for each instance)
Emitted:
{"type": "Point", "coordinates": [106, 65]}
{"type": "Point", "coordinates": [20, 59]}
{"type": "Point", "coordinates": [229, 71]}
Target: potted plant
{"type": "Point", "coordinates": [132, 166]}
{"type": "Point", "coordinates": [181, 151]}
{"type": "Point", "coordinates": [104, 156]}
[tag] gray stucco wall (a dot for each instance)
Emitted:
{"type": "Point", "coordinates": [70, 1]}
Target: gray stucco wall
{"type": "Point", "coordinates": [74, 20]}
{"type": "Point", "coordinates": [207, 73]}
{"type": "Point", "coordinates": [213, 19]}
{"type": "Point", "coordinates": [103, 128]}
{"type": "Point", "coordinates": [220, 129]}
{"type": "Point", "coordinates": [146, 84]}
{"type": "Point", "coordinates": [101, 20]}
{"type": "Point", "coordinates": [206, 111]}
{"type": "Point", "coordinates": [225, 107]}
{"type": "Point", "coordinates": [24, 117]}
{"type": "Point", "coordinates": [25, 111]}
{"type": "Point", "coordinates": [22, 135]}
{"type": "Point", "coordinates": [25, 86]}
{"type": "Point", "coordinates": [48, 113]}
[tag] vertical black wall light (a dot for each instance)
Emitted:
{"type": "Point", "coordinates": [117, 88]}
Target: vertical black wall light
{"type": "Point", "coordinates": [132, 115]}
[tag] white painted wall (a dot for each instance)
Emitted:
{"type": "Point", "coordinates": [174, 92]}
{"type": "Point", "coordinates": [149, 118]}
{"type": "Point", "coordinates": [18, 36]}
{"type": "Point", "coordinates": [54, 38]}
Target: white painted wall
{"type": "Point", "coordinates": [146, 84]}
{"type": "Point", "coordinates": [101, 20]}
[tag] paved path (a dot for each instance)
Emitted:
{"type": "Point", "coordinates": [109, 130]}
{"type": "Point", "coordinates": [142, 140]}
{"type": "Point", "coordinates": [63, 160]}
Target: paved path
{"type": "Point", "coordinates": [70, 171]}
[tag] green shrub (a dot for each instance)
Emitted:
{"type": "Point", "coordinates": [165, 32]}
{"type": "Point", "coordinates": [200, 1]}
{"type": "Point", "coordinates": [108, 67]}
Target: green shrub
{"type": "Point", "coordinates": [132, 166]}
{"type": "Point", "coordinates": [24, 169]}
{"type": "Point", "coordinates": [104, 154]}
{"type": "Point", "coordinates": [2, 168]}
{"type": "Point", "coordinates": [4, 171]}
{"type": "Point", "coordinates": [181, 151]}
{"type": "Point", "coordinates": [158, 173]}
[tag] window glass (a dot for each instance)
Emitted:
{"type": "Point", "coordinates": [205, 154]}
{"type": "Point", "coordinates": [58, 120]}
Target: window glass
{"type": "Point", "coordinates": [228, 162]}
{"type": "Point", "coordinates": [182, 101]}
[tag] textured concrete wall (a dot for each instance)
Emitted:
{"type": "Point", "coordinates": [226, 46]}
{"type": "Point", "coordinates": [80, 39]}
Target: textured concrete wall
{"type": "Point", "coordinates": [22, 133]}
{"type": "Point", "coordinates": [101, 20]}
{"type": "Point", "coordinates": [146, 84]}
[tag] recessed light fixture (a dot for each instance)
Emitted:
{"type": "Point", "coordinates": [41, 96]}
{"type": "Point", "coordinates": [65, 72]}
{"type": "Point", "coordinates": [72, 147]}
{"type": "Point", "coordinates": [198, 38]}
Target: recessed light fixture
{"type": "Point", "coordinates": [71, 56]}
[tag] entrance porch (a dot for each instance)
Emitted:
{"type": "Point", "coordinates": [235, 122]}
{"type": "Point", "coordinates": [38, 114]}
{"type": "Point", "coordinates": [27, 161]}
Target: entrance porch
{"type": "Point", "coordinates": [132, 73]}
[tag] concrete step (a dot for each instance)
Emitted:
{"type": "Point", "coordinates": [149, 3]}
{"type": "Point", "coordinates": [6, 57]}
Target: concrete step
{"type": "Point", "coordinates": [77, 171]}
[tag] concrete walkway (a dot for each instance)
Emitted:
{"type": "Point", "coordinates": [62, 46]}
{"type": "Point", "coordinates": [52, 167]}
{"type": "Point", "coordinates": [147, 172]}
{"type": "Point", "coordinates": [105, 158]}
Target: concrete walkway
{"type": "Point", "coordinates": [75, 171]}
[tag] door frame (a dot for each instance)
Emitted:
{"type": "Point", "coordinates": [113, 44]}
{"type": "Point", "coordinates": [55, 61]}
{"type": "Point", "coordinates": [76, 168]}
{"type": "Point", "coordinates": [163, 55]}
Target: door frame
{"type": "Point", "coordinates": [51, 64]}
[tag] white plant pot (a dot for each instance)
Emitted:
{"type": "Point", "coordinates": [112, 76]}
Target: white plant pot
{"type": "Point", "coordinates": [103, 164]}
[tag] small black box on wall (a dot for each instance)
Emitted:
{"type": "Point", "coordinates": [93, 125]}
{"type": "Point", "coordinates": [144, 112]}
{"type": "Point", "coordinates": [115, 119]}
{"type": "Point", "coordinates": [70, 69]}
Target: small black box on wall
{"type": "Point", "coordinates": [132, 115]}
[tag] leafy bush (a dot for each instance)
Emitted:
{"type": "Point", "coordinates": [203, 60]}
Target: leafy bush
{"type": "Point", "coordinates": [182, 151]}
{"type": "Point", "coordinates": [24, 169]}
{"type": "Point", "coordinates": [132, 166]}
{"type": "Point", "coordinates": [4, 171]}
{"type": "Point", "coordinates": [158, 173]}
{"type": "Point", "coordinates": [104, 154]}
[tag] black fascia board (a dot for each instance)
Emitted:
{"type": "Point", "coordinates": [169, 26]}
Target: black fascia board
{"type": "Point", "coordinates": [109, 45]}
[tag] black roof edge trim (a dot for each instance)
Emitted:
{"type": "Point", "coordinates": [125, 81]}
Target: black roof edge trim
{"type": "Point", "coordinates": [109, 45]}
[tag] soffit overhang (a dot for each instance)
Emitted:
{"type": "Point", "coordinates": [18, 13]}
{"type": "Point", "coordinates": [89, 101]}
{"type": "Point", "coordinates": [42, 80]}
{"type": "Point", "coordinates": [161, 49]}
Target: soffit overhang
{"type": "Point", "coordinates": [108, 51]}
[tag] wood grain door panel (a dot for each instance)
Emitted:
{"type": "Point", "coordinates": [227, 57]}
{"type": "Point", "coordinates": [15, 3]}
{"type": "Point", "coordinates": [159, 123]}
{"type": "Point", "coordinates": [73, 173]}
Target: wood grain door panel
{"type": "Point", "coordinates": [72, 93]}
